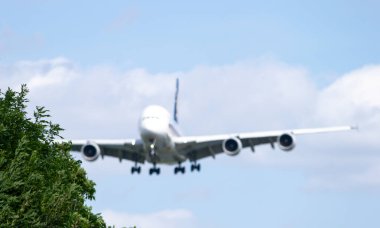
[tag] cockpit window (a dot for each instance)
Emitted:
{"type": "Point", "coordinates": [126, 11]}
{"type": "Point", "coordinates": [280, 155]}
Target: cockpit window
{"type": "Point", "coordinates": [150, 117]}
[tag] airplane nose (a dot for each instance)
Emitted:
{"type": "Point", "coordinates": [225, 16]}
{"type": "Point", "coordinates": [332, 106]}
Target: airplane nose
{"type": "Point", "coordinates": [151, 128]}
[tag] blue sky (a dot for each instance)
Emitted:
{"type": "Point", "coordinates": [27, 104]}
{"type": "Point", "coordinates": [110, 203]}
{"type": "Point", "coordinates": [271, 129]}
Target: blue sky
{"type": "Point", "coordinates": [243, 66]}
{"type": "Point", "coordinates": [325, 36]}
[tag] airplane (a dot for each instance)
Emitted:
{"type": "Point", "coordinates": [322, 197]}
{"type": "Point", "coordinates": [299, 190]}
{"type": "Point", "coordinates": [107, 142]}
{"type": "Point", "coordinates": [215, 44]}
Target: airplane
{"type": "Point", "coordinates": [160, 142]}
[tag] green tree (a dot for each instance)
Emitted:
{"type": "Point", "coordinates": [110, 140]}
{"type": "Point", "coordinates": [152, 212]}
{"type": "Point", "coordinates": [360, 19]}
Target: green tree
{"type": "Point", "coordinates": [41, 185]}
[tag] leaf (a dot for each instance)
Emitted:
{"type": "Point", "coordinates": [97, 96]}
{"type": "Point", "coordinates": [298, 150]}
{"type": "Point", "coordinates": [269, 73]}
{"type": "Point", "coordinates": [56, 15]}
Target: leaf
{"type": "Point", "coordinates": [41, 185]}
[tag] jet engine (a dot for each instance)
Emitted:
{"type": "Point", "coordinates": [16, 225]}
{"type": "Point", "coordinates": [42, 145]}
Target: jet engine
{"type": "Point", "coordinates": [232, 146]}
{"type": "Point", "coordinates": [90, 151]}
{"type": "Point", "coordinates": [286, 142]}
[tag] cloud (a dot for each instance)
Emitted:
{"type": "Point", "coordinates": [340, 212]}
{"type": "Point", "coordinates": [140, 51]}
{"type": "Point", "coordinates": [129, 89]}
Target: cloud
{"type": "Point", "coordinates": [161, 219]}
{"type": "Point", "coordinates": [42, 73]}
{"type": "Point", "coordinates": [105, 101]}
{"type": "Point", "coordinates": [353, 96]}
{"type": "Point", "coordinates": [264, 94]}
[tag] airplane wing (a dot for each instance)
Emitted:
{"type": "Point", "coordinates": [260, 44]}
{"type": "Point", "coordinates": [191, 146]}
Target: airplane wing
{"type": "Point", "coordinates": [198, 147]}
{"type": "Point", "coordinates": [123, 149]}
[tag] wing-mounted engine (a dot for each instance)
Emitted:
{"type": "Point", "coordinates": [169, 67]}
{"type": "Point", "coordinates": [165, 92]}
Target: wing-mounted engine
{"type": "Point", "coordinates": [90, 151]}
{"type": "Point", "coordinates": [232, 146]}
{"type": "Point", "coordinates": [286, 142]}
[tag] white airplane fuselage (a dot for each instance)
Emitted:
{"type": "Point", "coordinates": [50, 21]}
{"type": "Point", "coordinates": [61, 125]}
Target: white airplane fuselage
{"type": "Point", "coordinates": [157, 134]}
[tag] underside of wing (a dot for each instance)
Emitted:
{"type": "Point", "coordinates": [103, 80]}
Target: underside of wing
{"type": "Point", "coordinates": [131, 150]}
{"type": "Point", "coordinates": [199, 147]}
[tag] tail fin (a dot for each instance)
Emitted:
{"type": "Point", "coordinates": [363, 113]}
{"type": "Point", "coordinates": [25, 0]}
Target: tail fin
{"type": "Point", "coordinates": [175, 115]}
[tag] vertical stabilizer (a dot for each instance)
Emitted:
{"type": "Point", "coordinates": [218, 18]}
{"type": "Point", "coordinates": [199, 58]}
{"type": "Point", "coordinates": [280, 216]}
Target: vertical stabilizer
{"type": "Point", "coordinates": [175, 114]}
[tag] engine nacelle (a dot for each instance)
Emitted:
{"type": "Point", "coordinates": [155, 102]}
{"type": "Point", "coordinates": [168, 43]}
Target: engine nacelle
{"type": "Point", "coordinates": [232, 146]}
{"type": "Point", "coordinates": [90, 151]}
{"type": "Point", "coordinates": [286, 142]}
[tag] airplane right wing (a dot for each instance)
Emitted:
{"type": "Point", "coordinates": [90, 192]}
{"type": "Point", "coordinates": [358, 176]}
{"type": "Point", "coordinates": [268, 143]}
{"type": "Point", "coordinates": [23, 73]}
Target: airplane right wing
{"type": "Point", "coordinates": [198, 147]}
{"type": "Point", "coordinates": [128, 149]}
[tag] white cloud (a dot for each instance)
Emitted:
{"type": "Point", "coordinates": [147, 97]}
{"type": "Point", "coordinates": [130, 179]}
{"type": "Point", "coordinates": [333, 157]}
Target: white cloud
{"type": "Point", "coordinates": [355, 96]}
{"type": "Point", "coordinates": [43, 73]}
{"type": "Point", "coordinates": [161, 219]}
{"type": "Point", "coordinates": [104, 101]}
{"type": "Point", "coordinates": [54, 77]}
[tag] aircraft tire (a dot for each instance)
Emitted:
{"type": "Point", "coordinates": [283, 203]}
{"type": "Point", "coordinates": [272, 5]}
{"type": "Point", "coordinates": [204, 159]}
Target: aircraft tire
{"type": "Point", "coordinates": [196, 167]}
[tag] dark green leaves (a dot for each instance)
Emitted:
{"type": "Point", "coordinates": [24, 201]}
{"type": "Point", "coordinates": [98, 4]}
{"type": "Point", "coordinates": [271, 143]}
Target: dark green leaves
{"type": "Point", "coordinates": [41, 185]}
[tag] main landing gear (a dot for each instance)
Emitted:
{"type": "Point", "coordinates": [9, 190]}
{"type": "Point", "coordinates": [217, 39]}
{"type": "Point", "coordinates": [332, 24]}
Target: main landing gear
{"type": "Point", "coordinates": [179, 168]}
{"type": "Point", "coordinates": [196, 167]}
{"type": "Point", "coordinates": [136, 169]}
{"type": "Point", "coordinates": [156, 170]}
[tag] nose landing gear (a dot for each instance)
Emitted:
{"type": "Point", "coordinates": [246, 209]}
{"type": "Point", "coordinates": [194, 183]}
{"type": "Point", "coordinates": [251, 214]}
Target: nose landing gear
{"type": "Point", "coordinates": [152, 152]}
{"type": "Point", "coordinates": [154, 169]}
{"type": "Point", "coordinates": [154, 158]}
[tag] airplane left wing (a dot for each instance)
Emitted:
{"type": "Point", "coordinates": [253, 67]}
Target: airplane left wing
{"type": "Point", "coordinates": [198, 147]}
{"type": "Point", "coordinates": [123, 149]}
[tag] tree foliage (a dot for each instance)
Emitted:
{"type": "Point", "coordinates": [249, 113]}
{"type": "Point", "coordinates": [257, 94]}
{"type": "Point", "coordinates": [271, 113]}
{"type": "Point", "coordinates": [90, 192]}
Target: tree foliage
{"type": "Point", "coordinates": [41, 185]}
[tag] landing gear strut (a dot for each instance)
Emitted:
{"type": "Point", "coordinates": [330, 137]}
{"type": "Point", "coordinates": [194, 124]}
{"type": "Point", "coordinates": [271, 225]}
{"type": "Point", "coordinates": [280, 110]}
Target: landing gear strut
{"type": "Point", "coordinates": [154, 158]}
{"type": "Point", "coordinates": [152, 153]}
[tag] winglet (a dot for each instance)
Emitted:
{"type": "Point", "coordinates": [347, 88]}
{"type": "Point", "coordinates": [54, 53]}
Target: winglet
{"type": "Point", "coordinates": [175, 115]}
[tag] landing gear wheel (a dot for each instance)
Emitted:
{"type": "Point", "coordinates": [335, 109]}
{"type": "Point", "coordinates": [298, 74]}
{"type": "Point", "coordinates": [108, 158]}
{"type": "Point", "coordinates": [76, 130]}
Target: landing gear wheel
{"type": "Point", "coordinates": [154, 170]}
{"type": "Point", "coordinates": [195, 167]}
{"type": "Point", "coordinates": [136, 169]}
{"type": "Point", "coordinates": [179, 169]}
